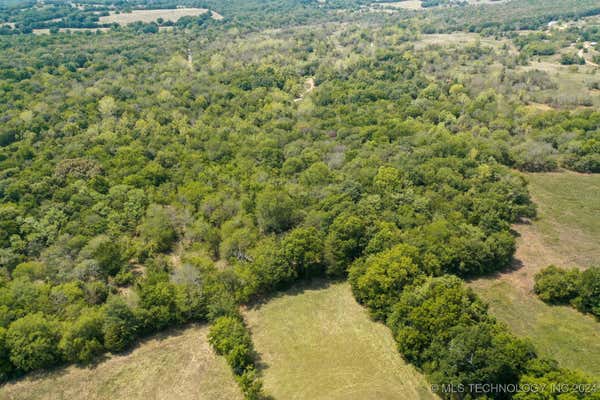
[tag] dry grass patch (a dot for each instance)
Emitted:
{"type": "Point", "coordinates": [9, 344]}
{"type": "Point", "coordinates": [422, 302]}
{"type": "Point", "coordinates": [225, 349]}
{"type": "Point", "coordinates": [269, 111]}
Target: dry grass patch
{"type": "Point", "coordinates": [406, 5]}
{"type": "Point", "coordinates": [152, 15]}
{"type": "Point", "coordinates": [317, 343]}
{"type": "Point", "coordinates": [178, 364]}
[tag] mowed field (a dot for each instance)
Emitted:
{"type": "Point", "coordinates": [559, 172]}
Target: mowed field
{"type": "Point", "coordinates": [318, 343]}
{"type": "Point", "coordinates": [566, 233]}
{"type": "Point", "coordinates": [178, 364]}
{"type": "Point", "coordinates": [153, 15]}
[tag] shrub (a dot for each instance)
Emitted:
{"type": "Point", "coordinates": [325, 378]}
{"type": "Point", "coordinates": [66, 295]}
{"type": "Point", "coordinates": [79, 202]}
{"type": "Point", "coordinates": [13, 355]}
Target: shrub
{"type": "Point", "coordinates": [82, 340]}
{"type": "Point", "coordinates": [557, 285]}
{"type": "Point", "coordinates": [588, 299]}
{"type": "Point", "coordinates": [229, 337]}
{"type": "Point", "coordinates": [119, 326]}
{"type": "Point", "coordinates": [33, 342]}
{"type": "Point", "coordinates": [228, 333]}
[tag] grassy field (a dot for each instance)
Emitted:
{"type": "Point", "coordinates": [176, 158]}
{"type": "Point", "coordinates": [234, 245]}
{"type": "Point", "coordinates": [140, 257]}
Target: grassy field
{"type": "Point", "coordinates": [572, 81]}
{"type": "Point", "coordinates": [175, 365]}
{"type": "Point", "coordinates": [151, 15]}
{"type": "Point", "coordinates": [566, 234]}
{"type": "Point", "coordinates": [318, 343]}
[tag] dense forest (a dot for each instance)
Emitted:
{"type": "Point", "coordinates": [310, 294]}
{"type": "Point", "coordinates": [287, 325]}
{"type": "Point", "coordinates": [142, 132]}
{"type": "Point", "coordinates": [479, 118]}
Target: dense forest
{"type": "Point", "coordinates": [141, 190]}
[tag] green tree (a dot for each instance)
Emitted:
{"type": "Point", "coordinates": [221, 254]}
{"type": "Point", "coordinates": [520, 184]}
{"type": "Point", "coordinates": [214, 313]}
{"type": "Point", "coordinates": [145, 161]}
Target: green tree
{"type": "Point", "coordinates": [157, 230]}
{"type": "Point", "coordinates": [557, 285]}
{"type": "Point", "coordinates": [378, 281]}
{"type": "Point", "coordinates": [345, 242]}
{"type": "Point", "coordinates": [303, 250]}
{"type": "Point", "coordinates": [120, 325]}
{"type": "Point", "coordinates": [33, 342]}
{"type": "Point", "coordinates": [588, 299]}
{"type": "Point", "coordinates": [485, 353]}
{"type": "Point", "coordinates": [428, 312]}
{"type": "Point", "coordinates": [82, 340]}
{"type": "Point", "coordinates": [275, 210]}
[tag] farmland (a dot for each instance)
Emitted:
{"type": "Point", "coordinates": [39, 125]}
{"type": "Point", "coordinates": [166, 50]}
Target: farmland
{"type": "Point", "coordinates": [317, 343]}
{"type": "Point", "coordinates": [564, 234]}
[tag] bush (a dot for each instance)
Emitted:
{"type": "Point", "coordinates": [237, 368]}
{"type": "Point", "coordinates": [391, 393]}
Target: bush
{"type": "Point", "coordinates": [230, 338]}
{"type": "Point", "coordinates": [82, 340]}
{"type": "Point", "coordinates": [588, 299]}
{"type": "Point", "coordinates": [120, 325]}
{"type": "Point", "coordinates": [33, 342]}
{"type": "Point", "coordinates": [557, 285]}
{"type": "Point", "coordinates": [227, 333]}
{"type": "Point", "coordinates": [571, 59]}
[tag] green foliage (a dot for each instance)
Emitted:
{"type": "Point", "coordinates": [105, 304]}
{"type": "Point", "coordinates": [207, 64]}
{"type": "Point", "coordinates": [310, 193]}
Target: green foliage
{"type": "Point", "coordinates": [485, 353]}
{"type": "Point", "coordinates": [120, 325]}
{"type": "Point", "coordinates": [427, 312]}
{"type": "Point", "coordinates": [267, 271]}
{"type": "Point", "coordinates": [157, 230]}
{"type": "Point", "coordinates": [33, 342]}
{"type": "Point", "coordinates": [158, 306]}
{"type": "Point", "coordinates": [228, 333]}
{"type": "Point", "coordinates": [378, 281]}
{"type": "Point", "coordinates": [275, 210]}
{"type": "Point", "coordinates": [555, 383]}
{"type": "Point", "coordinates": [194, 188]}
{"type": "Point", "coordinates": [571, 59]}
{"type": "Point", "coordinates": [303, 250]}
{"type": "Point", "coordinates": [345, 242]}
{"type": "Point", "coordinates": [83, 339]}
{"type": "Point", "coordinates": [557, 285]}
{"type": "Point", "coordinates": [561, 286]}
{"type": "Point", "coordinates": [6, 367]}
{"type": "Point", "coordinates": [230, 338]}
{"type": "Point", "coordinates": [588, 298]}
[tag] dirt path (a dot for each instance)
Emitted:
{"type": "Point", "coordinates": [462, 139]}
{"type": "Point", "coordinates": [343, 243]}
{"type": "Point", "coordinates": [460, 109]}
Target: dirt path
{"type": "Point", "coordinates": [580, 53]}
{"type": "Point", "coordinates": [309, 85]}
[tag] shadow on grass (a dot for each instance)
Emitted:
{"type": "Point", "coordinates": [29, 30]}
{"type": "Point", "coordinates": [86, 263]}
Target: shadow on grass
{"type": "Point", "coordinates": [295, 289]}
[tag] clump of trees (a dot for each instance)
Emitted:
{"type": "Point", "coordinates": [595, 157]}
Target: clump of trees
{"type": "Point", "coordinates": [571, 59]}
{"type": "Point", "coordinates": [579, 288]}
{"type": "Point", "coordinates": [230, 338]}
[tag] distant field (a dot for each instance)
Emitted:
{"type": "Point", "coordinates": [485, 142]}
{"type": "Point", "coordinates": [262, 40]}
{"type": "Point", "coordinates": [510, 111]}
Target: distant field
{"type": "Point", "coordinates": [572, 81]}
{"type": "Point", "coordinates": [407, 5]}
{"type": "Point", "coordinates": [175, 365]}
{"type": "Point", "coordinates": [318, 343]}
{"type": "Point", "coordinates": [566, 234]}
{"type": "Point", "coordinates": [151, 15]}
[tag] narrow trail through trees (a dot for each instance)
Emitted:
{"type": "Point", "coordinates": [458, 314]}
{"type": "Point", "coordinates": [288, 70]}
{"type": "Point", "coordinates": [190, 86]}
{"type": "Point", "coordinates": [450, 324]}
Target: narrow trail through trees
{"type": "Point", "coordinates": [309, 85]}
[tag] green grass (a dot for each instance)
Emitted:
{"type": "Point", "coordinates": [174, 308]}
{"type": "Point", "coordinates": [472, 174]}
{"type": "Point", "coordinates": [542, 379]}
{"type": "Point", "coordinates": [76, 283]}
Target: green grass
{"type": "Point", "coordinates": [178, 364]}
{"type": "Point", "coordinates": [558, 332]}
{"type": "Point", "coordinates": [566, 234]}
{"type": "Point", "coordinates": [318, 343]}
{"type": "Point", "coordinates": [569, 213]}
